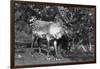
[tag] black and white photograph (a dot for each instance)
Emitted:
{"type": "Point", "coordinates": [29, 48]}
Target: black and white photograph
{"type": "Point", "coordinates": [45, 34]}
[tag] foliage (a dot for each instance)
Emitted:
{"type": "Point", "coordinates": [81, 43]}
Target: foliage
{"type": "Point", "coordinates": [78, 19]}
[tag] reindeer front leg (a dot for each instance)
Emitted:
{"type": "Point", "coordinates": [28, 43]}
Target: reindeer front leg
{"type": "Point", "coordinates": [56, 51]}
{"type": "Point", "coordinates": [48, 45]}
{"type": "Point", "coordinates": [32, 42]}
{"type": "Point", "coordinates": [55, 47]}
{"type": "Point", "coordinates": [32, 46]}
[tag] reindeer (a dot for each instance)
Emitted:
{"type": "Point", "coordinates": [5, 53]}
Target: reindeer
{"type": "Point", "coordinates": [47, 30]}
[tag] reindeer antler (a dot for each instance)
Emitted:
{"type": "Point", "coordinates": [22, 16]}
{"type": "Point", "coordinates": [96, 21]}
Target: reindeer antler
{"type": "Point", "coordinates": [64, 13]}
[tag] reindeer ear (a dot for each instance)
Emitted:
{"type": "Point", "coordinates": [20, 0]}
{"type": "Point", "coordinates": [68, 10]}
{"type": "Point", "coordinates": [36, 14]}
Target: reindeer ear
{"type": "Point", "coordinates": [66, 31]}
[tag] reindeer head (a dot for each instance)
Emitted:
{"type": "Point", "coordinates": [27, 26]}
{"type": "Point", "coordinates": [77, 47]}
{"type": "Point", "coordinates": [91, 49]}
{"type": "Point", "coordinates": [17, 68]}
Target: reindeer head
{"type": "Point", "coordinates": [32, 19]}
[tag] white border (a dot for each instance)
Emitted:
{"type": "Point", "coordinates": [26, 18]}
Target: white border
{"type": "Point", "coordinates": [5, 34]}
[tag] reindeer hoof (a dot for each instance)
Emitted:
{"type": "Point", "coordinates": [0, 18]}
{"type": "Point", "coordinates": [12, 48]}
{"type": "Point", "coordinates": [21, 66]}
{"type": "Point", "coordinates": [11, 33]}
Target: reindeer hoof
{"type": "Point", "coordinates": [57, 58]}
{"type": "Point", "coordinates": [48, 58]}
